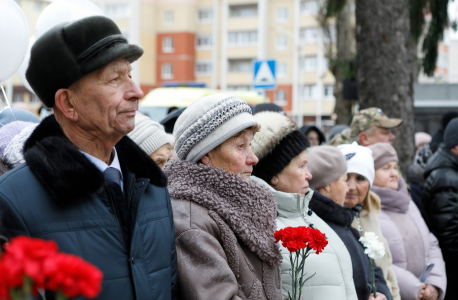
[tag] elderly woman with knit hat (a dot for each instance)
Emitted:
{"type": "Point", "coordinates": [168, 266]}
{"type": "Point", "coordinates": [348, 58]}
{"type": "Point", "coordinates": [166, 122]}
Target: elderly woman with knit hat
{"type": "Point", "coordinates": [329, 171]}
{"type": "Point", "coordinates": [366, 204]}
{"type": "Point", "coordinates": [151, 138]}
{"type": "Point", "coordinates": [282, 168]}
{"type": "Point", "coordinates": [412, 245]}
{"type": "Point", "coordinates": [224, 222]}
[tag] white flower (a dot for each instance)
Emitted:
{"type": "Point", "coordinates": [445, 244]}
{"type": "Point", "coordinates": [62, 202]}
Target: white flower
{"type": "Point", "coordinates": [374, 248]}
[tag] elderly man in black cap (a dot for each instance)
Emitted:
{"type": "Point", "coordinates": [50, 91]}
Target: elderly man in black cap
{"type": "Point", "coordinates": [85, 184]}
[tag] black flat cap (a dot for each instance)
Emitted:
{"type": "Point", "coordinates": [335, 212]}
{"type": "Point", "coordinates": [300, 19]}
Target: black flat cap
{"type": "Point", "coordinates": [69, 51]}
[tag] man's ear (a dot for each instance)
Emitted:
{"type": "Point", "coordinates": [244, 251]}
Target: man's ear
{"type": "Point", "coordinates": [363, 139]}
{"type": "Point", "coordinates": [206, 160]}
{"type": "Point", "coordinates": [64, 103]}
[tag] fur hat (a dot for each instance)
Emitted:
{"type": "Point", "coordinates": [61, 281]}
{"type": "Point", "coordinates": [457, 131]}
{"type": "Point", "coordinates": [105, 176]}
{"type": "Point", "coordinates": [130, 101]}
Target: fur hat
{"type": "Point", "coordinates": [326, 164]}
{"type": "Point", "coordinates": [276, 144]}
{"type": "Point", "coordinates": [208, 122]}
{"type": "Point", "coordinates": [69, 51]}
{"type": "Point", "coordinates": [148, 134]}
{"type": "Point", "coordinates": [359, 160]}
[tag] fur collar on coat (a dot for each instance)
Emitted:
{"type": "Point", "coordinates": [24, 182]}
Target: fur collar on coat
{"type": "Point", "coordinates": [68, 175]}
{"type": "Point", "coordinates": [247, 207]}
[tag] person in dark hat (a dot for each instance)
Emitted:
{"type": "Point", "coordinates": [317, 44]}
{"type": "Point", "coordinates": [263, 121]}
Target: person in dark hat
{"type": "Point", "coordinates": [314, 135]}
{"type": "Point", "coordinates": [268, 107]}
{"type": "Point", "coordinates": [85, 184]}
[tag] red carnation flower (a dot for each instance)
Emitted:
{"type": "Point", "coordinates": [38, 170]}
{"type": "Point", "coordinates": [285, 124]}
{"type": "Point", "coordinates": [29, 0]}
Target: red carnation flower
{"type": "Point", "coordinates": [317, 240]}
{"type": "Point", "coordinates": [73, 276]}
{"type": "Point", "coordinates": [293, 238]}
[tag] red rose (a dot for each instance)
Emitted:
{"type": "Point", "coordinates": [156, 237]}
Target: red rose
{"type": "Point", "coordinates": [317, 240]}
{"type": "Point", "coordinates": [72, 276]}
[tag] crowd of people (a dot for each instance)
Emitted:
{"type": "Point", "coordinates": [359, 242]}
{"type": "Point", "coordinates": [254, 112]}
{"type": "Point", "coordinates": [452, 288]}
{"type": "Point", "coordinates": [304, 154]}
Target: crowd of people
{"type": "Point", "coordinates": [192, 215]}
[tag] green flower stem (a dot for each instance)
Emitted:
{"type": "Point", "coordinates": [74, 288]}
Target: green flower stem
{"type": "Point", "coordinates": [60, 296]}
{"type": "Point", "coordinates": [374, 287]}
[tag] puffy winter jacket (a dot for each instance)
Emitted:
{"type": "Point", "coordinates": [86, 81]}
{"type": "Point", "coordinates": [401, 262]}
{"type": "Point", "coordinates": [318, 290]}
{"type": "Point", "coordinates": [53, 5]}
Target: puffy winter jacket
{"type": "Point", "coordinates": [411, 243]}
{"type": "Point", "coordinates": [58, 194]}
{"type": "Point", "coordinates": [332, 268]}
{"type": "Point", "coordinates": [440, 198]}
{"type": "Point", "coordinates": [340, 219]}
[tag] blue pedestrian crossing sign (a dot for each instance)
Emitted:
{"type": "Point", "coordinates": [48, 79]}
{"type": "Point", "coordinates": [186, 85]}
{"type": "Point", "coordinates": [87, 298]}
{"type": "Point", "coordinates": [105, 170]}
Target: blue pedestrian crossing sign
{"type": "Point", "coordinates": [264, 74]}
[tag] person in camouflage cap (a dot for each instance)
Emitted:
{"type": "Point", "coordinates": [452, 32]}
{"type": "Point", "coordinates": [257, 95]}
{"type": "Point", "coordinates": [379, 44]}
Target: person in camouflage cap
{"type": "Point", "coordinates": [368, 127]}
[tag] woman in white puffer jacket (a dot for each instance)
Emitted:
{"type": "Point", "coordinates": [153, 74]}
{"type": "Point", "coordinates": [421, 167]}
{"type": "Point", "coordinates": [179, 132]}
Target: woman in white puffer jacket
{"type": "Point", "coordinates": [282, 167]}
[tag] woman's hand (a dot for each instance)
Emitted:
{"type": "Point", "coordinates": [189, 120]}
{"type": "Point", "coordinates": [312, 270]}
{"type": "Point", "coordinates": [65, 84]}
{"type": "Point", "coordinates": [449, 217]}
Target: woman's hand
{"type": "Point", "coordinates": [422, 291]}
{"type": "Point", "coordinates": [380, 296]}
{"type": "Point", "coordinates": [431, 293]}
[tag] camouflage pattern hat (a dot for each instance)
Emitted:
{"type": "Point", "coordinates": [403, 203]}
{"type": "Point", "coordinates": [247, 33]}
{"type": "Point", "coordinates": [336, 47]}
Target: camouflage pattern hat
{"type": "Point", "coordinates": [340, 138]}
{"type": "Point", "coordinates": [371, 117]}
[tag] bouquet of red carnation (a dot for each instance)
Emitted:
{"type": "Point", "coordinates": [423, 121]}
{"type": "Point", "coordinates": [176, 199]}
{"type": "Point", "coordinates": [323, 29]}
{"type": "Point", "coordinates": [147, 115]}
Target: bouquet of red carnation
{"type": "Point", "coordinates": [300, 241]}
{"type": "Point", "coordinates": [29, 265]}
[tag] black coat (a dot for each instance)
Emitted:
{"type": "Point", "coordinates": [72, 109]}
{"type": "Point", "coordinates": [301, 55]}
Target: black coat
{"type": "Point", "coordinates": [58, 194]}
{"type": "Point", "coordinates": [340, 219]}
{"type": "Point", "coordinates": [440, 196]}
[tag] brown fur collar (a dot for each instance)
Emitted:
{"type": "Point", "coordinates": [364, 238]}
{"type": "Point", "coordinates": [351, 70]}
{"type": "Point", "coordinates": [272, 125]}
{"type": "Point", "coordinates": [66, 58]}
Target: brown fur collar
{"type": "Point", "coordinates": [248, 208]}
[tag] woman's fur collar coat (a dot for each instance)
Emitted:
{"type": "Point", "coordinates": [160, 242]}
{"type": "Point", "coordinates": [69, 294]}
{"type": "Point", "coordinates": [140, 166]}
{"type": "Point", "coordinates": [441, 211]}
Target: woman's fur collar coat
{"type": "Point", "coordinates": [225, 233]}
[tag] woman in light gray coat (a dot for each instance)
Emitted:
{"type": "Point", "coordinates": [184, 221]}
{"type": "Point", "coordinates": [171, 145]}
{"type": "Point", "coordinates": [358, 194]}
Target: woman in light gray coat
{"type": "Point", "coordinates": [282, 167]}
{"type": "Point", "coordinates": [411, 243]}
{"type": "Point", "coordinates": [224, 223]}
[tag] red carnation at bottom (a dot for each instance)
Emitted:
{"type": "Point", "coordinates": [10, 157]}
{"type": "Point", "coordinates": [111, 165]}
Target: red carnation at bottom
{"type": "Point", "coordinates": [300, 241]}
{"type": "Point", "coordinates": [73, 276]}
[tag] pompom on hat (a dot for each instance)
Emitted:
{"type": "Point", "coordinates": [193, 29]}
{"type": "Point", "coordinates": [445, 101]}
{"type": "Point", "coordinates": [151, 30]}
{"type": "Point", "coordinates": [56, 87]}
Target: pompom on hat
{"type": "Point", "coordinates": [208, 122]}
{"type": "Point", "coordinates": [359, 160]}
{"type": "Point", "coordinates": [277, 143]}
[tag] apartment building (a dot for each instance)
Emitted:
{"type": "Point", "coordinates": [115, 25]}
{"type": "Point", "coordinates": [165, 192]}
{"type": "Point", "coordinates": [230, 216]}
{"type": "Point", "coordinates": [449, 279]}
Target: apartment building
{"type": "Point", "coordinates": [215, 42]}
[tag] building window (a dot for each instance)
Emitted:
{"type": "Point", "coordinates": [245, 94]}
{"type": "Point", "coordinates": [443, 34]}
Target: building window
{"type": "Point", "coordinates": [240, 65]}
{"type": "Point", "coordinates": [204, 41]}
{"type": "Point", "coordinates": [281, 43]}
{"type": "Point", "coordinates": [282, 70]}
{"type": "Point", "coordinates": [307, 91]}
{"type": "Point", "coordinates": [280, 98]}
{"type": "Point", "coordinates": [243, 38]}
{"type": "Point", "coordinates": [282, 15]}
{"type": "Point", "coordinates": [239, 88]}
{"type": "Point", "coordinates": [205, 15]}
{"type": "Point", "coordinates": [118, 11]}
{"type": "Point", "coordinates": [203, 68]}
{"type": "Point", "coordinates": [168, 17]}
{"type": "Point", "coordinates": [167, 71]}
{"type": "Point", "coordinates": [167, 45]}
{"type": "Point", "coordinates": [18, 97]}
{"type": "Point", "coordinates": [328, 91]}
{"type": "Point", "coordinates": [243, 11]}
{"type": "Point", "coordinates": [308, 64]}
{"type": "Point", "coordinates": [308, 35]}
{"type": "Point", "coordinates": [309, 7]}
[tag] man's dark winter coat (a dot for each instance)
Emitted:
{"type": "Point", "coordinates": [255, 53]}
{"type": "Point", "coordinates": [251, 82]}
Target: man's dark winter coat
{"type": "Point", "coordinates": [340, 219]}
{"type": "Point", "coordinates": [58, 194]}
{"type": "Point", "coordinates": [440, 200]}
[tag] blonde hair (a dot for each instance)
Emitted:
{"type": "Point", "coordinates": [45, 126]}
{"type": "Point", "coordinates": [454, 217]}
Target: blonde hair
{"type": "Point", "coordinates": [372, 202]}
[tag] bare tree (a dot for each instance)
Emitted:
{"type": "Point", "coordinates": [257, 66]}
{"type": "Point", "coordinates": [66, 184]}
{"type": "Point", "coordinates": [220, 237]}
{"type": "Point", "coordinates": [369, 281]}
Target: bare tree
{"type": "Point", "coordinates": [384, 66]}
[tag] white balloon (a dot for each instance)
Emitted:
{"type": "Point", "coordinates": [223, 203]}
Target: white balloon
{"type": "Point", "coordinates": [14, 38]}
{"type": "Point", "coordinates": [25, 64]}
{"type": "Point", "coordinates": [65, 11]}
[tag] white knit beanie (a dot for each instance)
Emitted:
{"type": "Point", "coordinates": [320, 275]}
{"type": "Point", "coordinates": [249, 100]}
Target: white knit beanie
{"type": "Point", "coordinates": [148, 134]}
{"type": "Point", "coordinates": [359, 160]}
{"type": "Point", "coordinates": [208, 122]}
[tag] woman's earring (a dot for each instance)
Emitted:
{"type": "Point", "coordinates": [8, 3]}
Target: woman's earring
{"type": "Point", "coordinates": [327, 194]}
{"type": "Point", "coordinates": [274, 181]}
